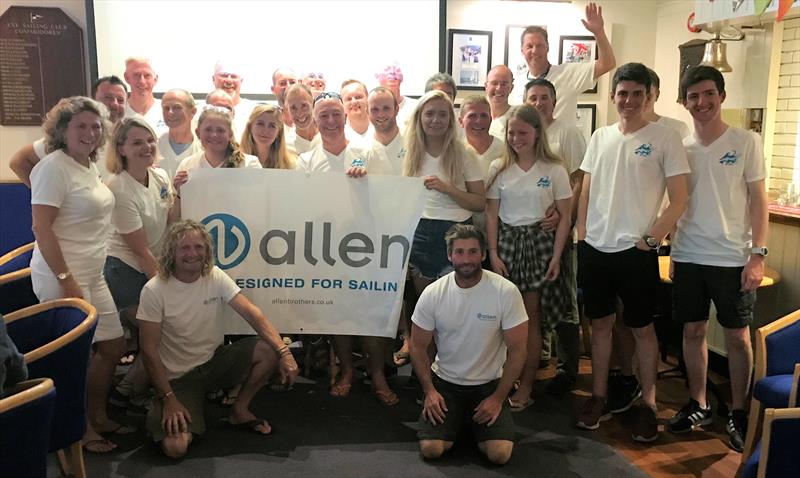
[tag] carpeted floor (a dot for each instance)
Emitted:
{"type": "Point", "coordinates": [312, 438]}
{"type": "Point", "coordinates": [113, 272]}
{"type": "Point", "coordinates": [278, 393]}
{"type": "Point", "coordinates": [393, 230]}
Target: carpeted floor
{"type": "Point", "coordinates": [316, 435]}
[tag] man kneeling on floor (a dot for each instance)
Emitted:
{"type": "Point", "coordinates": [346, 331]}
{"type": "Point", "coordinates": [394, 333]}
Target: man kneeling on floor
{"type": "Point", "coordinates": [475, 316]}
{"type": "Point", "coordinates": [181, 332]}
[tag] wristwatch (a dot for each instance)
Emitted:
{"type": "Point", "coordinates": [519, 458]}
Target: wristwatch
{"type": "Point", "coordinates": [651, 241]}
{"type": "Point", "coordinates": [761, 251]}
{"type": "Point", "coordinates": [63, 275]}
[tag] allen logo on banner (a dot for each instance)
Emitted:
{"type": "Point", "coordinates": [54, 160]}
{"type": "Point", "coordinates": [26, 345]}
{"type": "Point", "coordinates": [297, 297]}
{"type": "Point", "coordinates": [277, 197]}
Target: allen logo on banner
{"type": "Point", "coordinates": [319, 253]}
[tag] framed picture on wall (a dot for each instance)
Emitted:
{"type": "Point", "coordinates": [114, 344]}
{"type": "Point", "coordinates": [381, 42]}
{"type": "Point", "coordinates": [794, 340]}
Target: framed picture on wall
{"type": "Point", "coordinates": [585, 120]}
{"type": "Point", "coordinates": [577, 49]}
{"type": "Point", "coordinates": [512, 57]}
{"type": "Point", "coordinates": [469, 57]}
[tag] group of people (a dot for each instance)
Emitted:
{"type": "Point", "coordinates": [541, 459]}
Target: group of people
{"type": "Point", "coordinates": [493, 262]}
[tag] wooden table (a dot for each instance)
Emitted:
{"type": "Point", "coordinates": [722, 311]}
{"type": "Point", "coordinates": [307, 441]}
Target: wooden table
{"type": "Point", "coordinates": [771, 276]}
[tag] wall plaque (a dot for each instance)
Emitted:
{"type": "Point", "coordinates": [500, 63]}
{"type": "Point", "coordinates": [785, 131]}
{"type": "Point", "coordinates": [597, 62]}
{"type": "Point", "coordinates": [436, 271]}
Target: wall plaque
{"type": "Point", "coordinates": [41, 61]}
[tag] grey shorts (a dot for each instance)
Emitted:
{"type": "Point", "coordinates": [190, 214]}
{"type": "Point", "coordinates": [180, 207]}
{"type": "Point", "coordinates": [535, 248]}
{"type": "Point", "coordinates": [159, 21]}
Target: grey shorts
{"type": "Point", "coordinates": [229, 367]}
{"type": "Point", "coordinates": [461, 401]}
{"type": "Point", "coordinates": [124, 282]}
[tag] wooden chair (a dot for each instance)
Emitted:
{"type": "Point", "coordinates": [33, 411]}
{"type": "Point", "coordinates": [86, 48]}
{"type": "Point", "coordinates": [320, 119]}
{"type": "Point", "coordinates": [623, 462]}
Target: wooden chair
{"type": "Point", "coordinates": [776, 456]}
{"type": "Point", "coordinates": [56, 338]}
{"type": "Point", "coordinates": [25, 417]}
{"type": "Point", "coordinates": [16, 264]}
{"type": "Point", "coordinates": [777, 353]}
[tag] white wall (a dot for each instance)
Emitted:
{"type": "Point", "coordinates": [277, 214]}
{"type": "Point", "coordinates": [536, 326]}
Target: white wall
{"type": "Point", "coordinates": [13, 137]}
{"type": "Point", "coordinates": [630, 25]}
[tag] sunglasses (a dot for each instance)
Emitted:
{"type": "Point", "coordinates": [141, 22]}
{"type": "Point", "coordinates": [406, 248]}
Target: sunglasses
{"type": "Point", "coordinates": [328, 95]}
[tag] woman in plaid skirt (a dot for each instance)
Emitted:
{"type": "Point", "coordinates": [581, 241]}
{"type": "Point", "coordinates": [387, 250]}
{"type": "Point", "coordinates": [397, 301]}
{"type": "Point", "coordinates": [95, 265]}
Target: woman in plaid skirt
{"type": "Point", "coordinates": [522, 185]}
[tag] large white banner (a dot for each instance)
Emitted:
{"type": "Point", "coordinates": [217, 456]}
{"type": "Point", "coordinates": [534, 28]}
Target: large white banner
{"type": "Point", "coordinates": [319, 253]}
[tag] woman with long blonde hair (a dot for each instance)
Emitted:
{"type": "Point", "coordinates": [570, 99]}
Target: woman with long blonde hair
{"type": "Point", "coordinates": [220, 148]}
{"type": "Point", "coordinates": [523, 183]}
{"type": "Point", "coordinates": [263, 137]}
{"type": "Point", "coordinates": [452, 176]}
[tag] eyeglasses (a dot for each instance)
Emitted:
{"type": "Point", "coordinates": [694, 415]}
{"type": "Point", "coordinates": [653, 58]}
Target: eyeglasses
{"type": "Point", "coordinates": [224, 110]}
{"type": "Point", "coordinates": [275, 107]}
{"type": "Point", "coordinates": [328, 95]}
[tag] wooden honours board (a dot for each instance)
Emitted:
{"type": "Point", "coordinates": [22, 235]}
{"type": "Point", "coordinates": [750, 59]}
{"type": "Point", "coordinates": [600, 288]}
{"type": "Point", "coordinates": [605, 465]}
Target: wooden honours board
{"type": "Point", "coordinates": [41, 61]}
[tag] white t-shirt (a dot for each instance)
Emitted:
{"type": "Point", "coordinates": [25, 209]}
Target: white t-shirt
{"type": "Point", "coordinates": [358, 139]}
{"type": "Point", "coordinates": [388, 159]}
{"type": "Point", "coordinates": [169, 160]}
{"type": "Point", "coordinates": [675, 124]}
{"type": "Point", "coordinates": [198, 160]}
{"type": "Point", "coordinates": [84, 212]}
{"type": "Point", "coordinates": [407, 106]}
{"type": "Point", "coordinates": [628, 181]}
{"type": "Point", "coordinates": [715, 229]}
{"type": "Point", "coordinates": [40, 150]}
{"type": "Point", "coordinates": [154, 117]}
{"type": "Point", "coordinates": [320, 160]}
{"type": "Point", "coordinates": [191, 317]}
{"type": "Point", "coordinates": [567, 142]}
{"type": "Point", "coordinates": [241, 114]}
{"type": "Point", "coordinates": [494, 151]}
{"type": "Point", "coordinates": [498, 126]}
{"type": "Point", "coordinates": [300, 145]}
{"type": "Point", "coordinates": [525, 195]}
{"type": "Point", "coordinates": [139, 207]}
{"type": "Point", "coordinates": [569, 80]}
{"type": "Point", "coordinates": [440, 205]}
{"type": "Point", "coordinates": [468, 326]}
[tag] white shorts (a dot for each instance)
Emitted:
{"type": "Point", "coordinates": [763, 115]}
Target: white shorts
{"type": "Point", "coordinates": [95, 291]}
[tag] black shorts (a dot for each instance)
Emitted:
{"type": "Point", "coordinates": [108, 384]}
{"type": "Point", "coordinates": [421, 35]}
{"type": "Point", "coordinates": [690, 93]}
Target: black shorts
{"type": "Point", "coordinates": [631, 275]}
{"type": "Point", "coordinates": [694, 286]}
{"type": "Point", "coordinates": [429, 250]}
{"type": "Point", "coordinates": [461, 401]}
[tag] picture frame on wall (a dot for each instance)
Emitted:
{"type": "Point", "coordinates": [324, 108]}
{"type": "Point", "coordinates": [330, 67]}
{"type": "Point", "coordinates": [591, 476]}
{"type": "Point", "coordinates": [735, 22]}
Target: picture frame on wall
{"type": "Point", "coordinates": [469, 57]}
{"type": "Point", "coordinates": [577, 49]}
{"type": "Point", "coordinates": [512, 57]}
{"type": "Point", "coordinates": [586, 119]}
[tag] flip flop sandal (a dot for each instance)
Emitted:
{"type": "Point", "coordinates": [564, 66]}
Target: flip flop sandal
{"type": "Point", "coordinates": [98, 446]}
{"type": "Point", "coordinates": [386, 397]}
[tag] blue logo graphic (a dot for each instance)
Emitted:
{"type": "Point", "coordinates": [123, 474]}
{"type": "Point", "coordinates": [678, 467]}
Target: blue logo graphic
{"type": "Point", "coordinates": [357, 163]}
{"type": "Point", "coordinates": [163, 193]}
{"type": "Point", "coordinates": [543, 182]}
{"type": "Point", "coordinates": [401, 153]}
{"type": "Point", "coordinates": [231, 239]}
{"type": "Point", "coordinates": [644, 150]}
{"type": "Point", "coordinates": [729, 158]}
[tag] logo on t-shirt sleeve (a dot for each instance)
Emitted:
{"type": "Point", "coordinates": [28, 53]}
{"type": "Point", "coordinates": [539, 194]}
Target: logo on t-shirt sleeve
{"type": "Point", "coordinates": [543, 182]}
{"type": "Point", "coordinates": [645, 150]}
{"type": "Point", "coordinates": [729, 158]}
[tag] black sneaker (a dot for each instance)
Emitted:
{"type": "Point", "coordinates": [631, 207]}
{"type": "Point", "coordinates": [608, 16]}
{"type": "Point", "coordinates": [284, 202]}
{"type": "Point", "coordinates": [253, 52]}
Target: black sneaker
{"type": "Point", "coordinates": [645, 428]}
{"type": "Point", "coordinates": [737, 429]}
{"type": "Point", "coordinates": [623, 392]}
{"type": "Point", "coordinates": [560, 385]}
{"type": "Point", "coordinates": [690, 416]}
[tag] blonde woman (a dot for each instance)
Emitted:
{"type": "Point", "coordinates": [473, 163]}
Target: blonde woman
{"type": "Point", "coordinates": [71, 212]}
{"type": "Point", "coordinates": [523, 183]}
{"type": "Point", "coordinates": [264, 137]}
{"type": "Point", "coordinates": [220, 148]}
{"type": "Point", "coordinates": [452, 176]}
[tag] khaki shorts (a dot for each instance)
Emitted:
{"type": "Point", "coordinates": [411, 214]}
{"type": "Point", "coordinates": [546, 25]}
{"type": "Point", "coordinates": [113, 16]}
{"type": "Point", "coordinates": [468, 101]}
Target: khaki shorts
{"type": "Point", "coordinates": [229, 367]}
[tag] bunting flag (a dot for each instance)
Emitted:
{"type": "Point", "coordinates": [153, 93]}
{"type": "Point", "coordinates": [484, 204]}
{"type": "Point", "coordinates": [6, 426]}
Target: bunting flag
{"type": "Point", "coordinates": [783, 7]}
{"type": "Point", "coordinates": [761, 5]}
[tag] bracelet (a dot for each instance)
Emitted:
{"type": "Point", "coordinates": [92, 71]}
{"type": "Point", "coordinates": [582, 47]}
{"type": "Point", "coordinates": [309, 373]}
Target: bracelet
{"type": "Point", "coordinates": [284, 351]}
{"type": "Point", "coordinates": [171, 392]}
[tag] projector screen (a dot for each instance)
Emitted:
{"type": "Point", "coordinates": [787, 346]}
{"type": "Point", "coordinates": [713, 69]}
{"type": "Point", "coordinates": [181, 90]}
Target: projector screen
{"type": "Point", "coordinates": [343, 39]}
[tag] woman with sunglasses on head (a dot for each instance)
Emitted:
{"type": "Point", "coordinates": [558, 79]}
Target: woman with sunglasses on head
{"type": "Point", "coordinates": [220, 148]}
{"type": "Point", "coordinates": [263, 137]}
{"type": "Point", "coordinates": [523, 183]}
{"type": "Point", "coordinates": [452, 176]}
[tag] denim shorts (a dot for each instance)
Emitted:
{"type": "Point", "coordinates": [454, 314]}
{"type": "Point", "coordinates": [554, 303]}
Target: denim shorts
{"type": "Point", "coordinates": [124, 281]}
{"type": "Point", "coordinates": [429, 251]}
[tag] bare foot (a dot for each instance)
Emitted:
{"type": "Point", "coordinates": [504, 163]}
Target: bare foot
{"type": "Point", "coordinates": [93, 442]}
{"type": "Point", "coordinates": [246, 419]}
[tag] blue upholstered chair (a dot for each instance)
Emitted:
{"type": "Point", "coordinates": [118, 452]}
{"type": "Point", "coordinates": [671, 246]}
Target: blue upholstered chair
{"type": "Point", "coordinates": [25, 416]}
{"type": "Point", "coordinates": [15, 216]}
{"type": "Point", "coordinates": [777, 353]}
{"type": "Point", "coordinates": [776, 455]}
{"type": "Point", "coordinates": [55, 338]}
{"type": "Point", "coordinates": [16, 290]}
